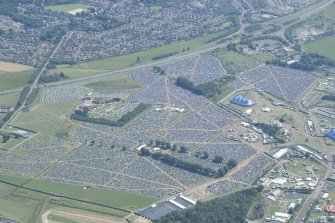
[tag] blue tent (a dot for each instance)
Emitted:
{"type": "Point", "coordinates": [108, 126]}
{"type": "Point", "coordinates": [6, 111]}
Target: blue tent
{"type": "Point", "coordinates": [240, 100]}
{"type": "Point", "coordinates": [331, 134]}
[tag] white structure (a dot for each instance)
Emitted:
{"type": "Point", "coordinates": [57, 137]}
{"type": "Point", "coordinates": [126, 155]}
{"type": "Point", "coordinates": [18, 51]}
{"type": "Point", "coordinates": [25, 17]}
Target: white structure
{"type": "Point", "coordinates": [266, 109]}
{"type": "Point", "coordinates": [248, 112]}
{"type": "Point", "coordinates": [280, 153]}
{"type": "Point", "coordinates": [141, 147]}
{"type": "Point", "coordinates": [325, 195]}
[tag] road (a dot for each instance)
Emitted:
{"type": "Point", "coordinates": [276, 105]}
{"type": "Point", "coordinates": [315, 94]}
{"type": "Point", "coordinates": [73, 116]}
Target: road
{"type": "Point", "coordinates": [33, 85]}
{"type": "Point", "coordinates": [301, 215]}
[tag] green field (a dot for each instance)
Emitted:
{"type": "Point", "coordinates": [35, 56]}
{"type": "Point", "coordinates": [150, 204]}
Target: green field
{"type": "Point", "coordinates": [124, 200]}
{"type": "Point", "coordinates": [324, 47]}
{"type": "Point", "coordinates": [235, 62]}
{"type": "Point", "coordinates": [120, 62]}
{"type": "Point", "coordinates": [67, 7]}
{"type": "Point", "coordinates": [14, 80]}
{"type": "Point", "coordinates": [330, 11]}
{"type": "Point", "coordinates": [25, 205]}
{"type": "Point", "coordinates": [48, 119]}
{"type": "Point", "coordinates": [116, 81]}
{"type": "Point", "coordinates": [11, 143]}
{"type": "Point", "coordinates": [9, 99]}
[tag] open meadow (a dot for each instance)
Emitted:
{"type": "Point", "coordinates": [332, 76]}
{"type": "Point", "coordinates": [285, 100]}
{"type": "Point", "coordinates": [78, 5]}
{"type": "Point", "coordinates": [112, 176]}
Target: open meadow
{"type": "Point", "coordinates": [9, 98]}
{"type": "Point", "coordinates": [324, 47]}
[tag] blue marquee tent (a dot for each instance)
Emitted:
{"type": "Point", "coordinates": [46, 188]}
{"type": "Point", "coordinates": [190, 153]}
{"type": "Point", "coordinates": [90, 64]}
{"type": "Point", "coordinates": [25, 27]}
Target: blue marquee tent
{"type": "Point", "coordinates": [240, 100]}
{"type": "Point", "coordinates": [331, 134]}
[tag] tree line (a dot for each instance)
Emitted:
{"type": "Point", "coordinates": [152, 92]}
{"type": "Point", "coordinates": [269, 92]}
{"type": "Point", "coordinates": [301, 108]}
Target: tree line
{"type": "Point", "coordinates": [165, 55]}
{"type": "Point", "coordinates": [52, 77]}
{"type": "Point", "coordinates": [328, 98]}
{"type": "Point", "coordinates": [308, 62]}
{"type": "Point", "coordinates": [82, 115]}
{"type": "Point", "coordinates": [191, 167]}
{"type": "Point", "coordinates": [186, 84]}
{"type": "Point", "coordinates": [229, 209]}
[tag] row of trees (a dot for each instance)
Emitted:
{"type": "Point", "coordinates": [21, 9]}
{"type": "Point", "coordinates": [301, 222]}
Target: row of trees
{"type": "Point", "coordinates": [229, 209]}
{"type": "Point", "coordinates": [328, 98]}
{"type": "Point", "coordinates": [165, 55]}
{"type": "Point", "coordinates": [308, 62]}
{"type": "Point", "coordinates": [83, 115]}
{"type": "Point", "coordinates": [23, 96]}
{"type": "Point", "coordinates": [52, 78]}
{"type": "Point", "coordinates": [191, 167]}
{"type": "Point", "coordinates": [186, 84]}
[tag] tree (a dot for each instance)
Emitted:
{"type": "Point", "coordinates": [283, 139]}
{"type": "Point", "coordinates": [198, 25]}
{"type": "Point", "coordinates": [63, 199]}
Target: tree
{"type": "Point", "coordinates": [232, 163]}
{"type": "Point", "coordinates": [221, 172]}
{"type": "Point", "coordinates": [183, 149]}
{"type": "Point", "coordinates": [205, 155]}
{"type": "Point", "coordinates": [145, 152]}
{"type": "Point", "coordinates": [218, 159]}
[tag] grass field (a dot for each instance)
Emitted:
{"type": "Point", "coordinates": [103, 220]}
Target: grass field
{"type": "Point", "coordinates": [330, 11]}
{"type": "Point", "coordinates": [31, 204]}
{"type": "Point", "coordinates": [9, 99]}
{"type": "Point", "coordinates": [11, 143]}
{"type": "Point", "coordinates": [324, 47]}
{"type": "Point", "coordinates": [14, 80]}
{"type": "Point", "coordinates": [27, 206]}
{"type": "Point", "coordinates": [49, 119]}
{"type": "Point", "coordinates": [67, 7]}
{"type": "Point", "coordinates": [116, 81]}
{"type": "Point", "coordinates": [120, 62]}
{"type": "Point", "coordinates": [237, 62]}
{"type": "Point", "coordinates": [128, 201]}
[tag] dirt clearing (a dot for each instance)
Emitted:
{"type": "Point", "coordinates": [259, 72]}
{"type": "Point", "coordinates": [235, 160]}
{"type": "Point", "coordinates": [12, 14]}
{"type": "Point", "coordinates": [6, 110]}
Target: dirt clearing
{"type": "Point", "coordinates": [13, 67]}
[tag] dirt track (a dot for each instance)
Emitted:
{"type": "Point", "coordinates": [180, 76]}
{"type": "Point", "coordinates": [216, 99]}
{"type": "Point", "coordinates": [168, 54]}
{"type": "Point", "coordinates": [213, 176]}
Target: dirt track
{"type": "Point", "coordinates": [79, 217]}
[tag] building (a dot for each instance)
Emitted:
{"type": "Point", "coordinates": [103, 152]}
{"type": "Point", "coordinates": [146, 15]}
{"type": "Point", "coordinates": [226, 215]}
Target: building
{"type": "Point", "coordinates": [331, 134]}
{"type": "Point", "coordinates": [241, 100]}
{"type": "Point", "coordinates": [6, 108]}
{"type": "Point", "coordinates": [20, 133]}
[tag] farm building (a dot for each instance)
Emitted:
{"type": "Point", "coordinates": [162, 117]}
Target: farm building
{"type": "Point", "coordinates": [331, 134]}
{"type": "Point", "coordinates": [240, 100]}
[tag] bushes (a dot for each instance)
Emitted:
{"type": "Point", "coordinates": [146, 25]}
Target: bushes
{"type": "Point", "coordinates": [52, 78]}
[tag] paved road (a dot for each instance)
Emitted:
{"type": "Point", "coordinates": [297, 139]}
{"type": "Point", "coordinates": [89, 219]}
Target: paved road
{"type": "Point", "coordinates": [34, 84]}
